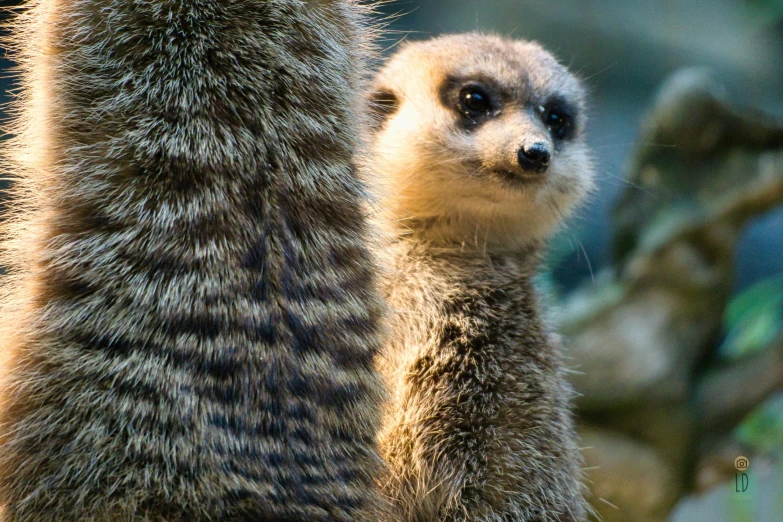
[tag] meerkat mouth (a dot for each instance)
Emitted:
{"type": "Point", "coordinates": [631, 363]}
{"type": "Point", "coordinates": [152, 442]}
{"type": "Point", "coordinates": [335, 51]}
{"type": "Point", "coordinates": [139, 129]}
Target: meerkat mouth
{"type": "Point", "coordinates": [518, 179]}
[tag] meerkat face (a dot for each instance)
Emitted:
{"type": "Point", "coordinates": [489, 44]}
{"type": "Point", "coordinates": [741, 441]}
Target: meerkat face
{"type": "Point", "coordinates": [483, 136]}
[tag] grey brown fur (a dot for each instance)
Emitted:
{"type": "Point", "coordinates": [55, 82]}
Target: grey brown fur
{"type": "Point", "coordinates": [478, 425]}
{"type": "Point", "coordinates": [191, 318]}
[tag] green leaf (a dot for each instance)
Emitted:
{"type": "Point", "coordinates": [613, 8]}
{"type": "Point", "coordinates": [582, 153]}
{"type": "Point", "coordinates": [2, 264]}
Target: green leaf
{"type": "Point", "coordinates": [753, 319]}
{"type": "Point", "coordinates": [763, 429]}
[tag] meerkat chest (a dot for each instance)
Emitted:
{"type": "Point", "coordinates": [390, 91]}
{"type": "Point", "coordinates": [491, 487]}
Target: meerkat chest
{"type": "Point", "coordinates": [454, 311]}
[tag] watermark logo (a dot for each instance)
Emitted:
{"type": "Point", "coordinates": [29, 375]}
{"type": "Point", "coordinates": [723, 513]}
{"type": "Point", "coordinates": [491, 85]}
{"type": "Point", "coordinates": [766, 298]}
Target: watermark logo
{"type": "Point", "coordinates": [741, 481]}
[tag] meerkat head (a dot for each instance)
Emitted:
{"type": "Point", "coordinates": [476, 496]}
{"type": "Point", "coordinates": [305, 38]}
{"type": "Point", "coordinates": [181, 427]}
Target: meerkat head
{"type": "Point", "coordinates": [479, 139]}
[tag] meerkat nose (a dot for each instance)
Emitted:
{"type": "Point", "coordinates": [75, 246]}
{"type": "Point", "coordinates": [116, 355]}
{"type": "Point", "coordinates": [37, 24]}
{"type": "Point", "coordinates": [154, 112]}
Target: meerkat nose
{"type": "Point", "coordinates": [534, 158]}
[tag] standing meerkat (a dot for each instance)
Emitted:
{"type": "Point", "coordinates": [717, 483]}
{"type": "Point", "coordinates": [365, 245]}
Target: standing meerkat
{"type": "Point", "coordinates": [478, 156]}
{"type": "Point", "coordinates": [191, 317]}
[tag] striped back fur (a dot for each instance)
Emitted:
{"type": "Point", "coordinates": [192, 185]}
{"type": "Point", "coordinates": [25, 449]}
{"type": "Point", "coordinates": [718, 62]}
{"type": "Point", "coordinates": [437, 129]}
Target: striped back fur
{"type": "Point", "coordinates": [190, 314]}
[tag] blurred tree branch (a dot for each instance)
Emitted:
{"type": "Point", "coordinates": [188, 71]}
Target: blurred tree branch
{"type": "Point", "coordinates": [726, 396]}
{"type": "Point", "coordinates": [657, 403]}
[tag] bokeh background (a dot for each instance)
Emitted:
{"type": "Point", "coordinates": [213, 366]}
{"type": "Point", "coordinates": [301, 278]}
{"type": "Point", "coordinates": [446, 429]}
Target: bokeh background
{"type": "Point", "coordinates": [669, 285]}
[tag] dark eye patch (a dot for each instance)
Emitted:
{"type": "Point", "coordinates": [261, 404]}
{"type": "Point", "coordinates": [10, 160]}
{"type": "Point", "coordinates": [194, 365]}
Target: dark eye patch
{"type": "Point", "coordinates": [475, 101]}
{"type": "Point", "coordinates": [474, 98]}
{"type": "Point", "coordinates": [559, 117]}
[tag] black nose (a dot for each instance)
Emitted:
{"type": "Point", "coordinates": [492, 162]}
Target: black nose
{"type": "Point", "coordinates": [534, 158]}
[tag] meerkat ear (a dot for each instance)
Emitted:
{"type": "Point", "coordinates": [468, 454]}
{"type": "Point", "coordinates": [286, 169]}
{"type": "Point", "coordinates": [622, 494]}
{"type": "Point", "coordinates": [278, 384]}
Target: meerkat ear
{"type": "Point", "coordinates": [383, 103]}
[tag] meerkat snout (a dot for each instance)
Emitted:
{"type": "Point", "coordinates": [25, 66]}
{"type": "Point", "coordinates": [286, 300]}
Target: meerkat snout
{"type": "Point", "coordinates": [534, 158]}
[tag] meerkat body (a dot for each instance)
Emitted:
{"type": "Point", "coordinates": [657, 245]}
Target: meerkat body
{"type": "Point", "coordinates": [478, 157]}
{"type": "Point", "coordinates": [190, 319]}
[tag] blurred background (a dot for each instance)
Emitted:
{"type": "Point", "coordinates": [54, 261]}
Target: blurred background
{"type": "Point", "coordinates": [669, 285]}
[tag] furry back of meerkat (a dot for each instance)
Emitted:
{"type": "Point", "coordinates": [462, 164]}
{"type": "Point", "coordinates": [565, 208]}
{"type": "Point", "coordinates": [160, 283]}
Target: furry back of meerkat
{"type": "Point", "coordinates": [477, 157]}
{"type": "Point", "coordinates": [190, 314]}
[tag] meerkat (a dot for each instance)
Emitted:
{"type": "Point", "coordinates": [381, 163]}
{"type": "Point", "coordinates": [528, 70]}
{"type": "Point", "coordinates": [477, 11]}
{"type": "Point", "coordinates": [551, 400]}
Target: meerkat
{"type": "Point", "coordinates": [477, 157]}
{"type": "Point", "coordinates": [191, 313]}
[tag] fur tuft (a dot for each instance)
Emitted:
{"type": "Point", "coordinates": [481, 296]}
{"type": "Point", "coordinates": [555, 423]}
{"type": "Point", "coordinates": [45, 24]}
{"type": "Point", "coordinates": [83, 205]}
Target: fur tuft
{"type": "Point", "coordinates": [190, 317]}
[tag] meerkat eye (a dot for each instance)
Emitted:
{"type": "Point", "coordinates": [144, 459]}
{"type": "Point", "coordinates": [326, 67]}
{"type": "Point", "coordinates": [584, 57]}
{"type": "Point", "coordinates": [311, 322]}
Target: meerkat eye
{"type": "Point", "coordinates": [474, 101]}
{"type": "Point", "coordinates": [559, 122]}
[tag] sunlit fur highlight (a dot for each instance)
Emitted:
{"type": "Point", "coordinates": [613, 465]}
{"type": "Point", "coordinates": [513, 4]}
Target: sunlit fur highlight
{"type": "Point", "coordinates": [478, 426]}
{"type": "Point", "coordinates": [189, 316]}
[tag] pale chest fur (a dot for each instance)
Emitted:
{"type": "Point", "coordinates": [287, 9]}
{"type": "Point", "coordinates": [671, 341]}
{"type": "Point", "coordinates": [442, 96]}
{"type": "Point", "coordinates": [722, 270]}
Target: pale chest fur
{"type": "Point", "coordinates": [475, 385]}
{"type": "Point", "coordinates": [455, 306]}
